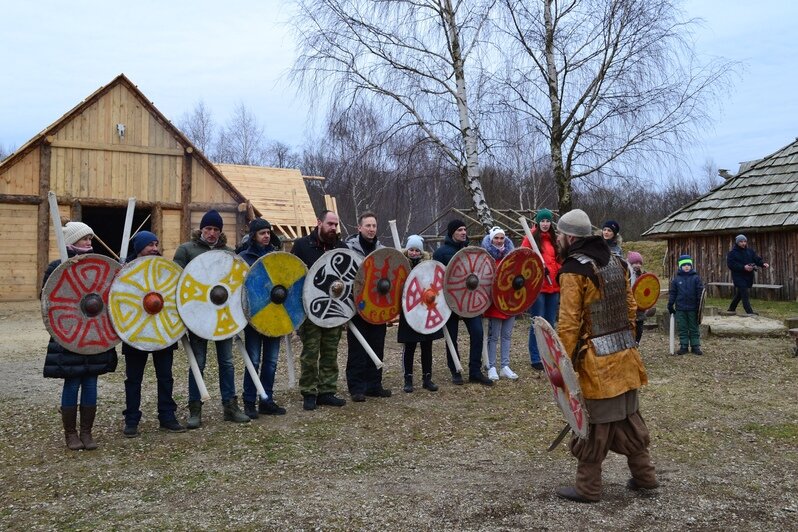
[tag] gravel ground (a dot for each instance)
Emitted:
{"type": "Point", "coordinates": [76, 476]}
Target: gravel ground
{"type": "Point", "coordinates": [724, 439]}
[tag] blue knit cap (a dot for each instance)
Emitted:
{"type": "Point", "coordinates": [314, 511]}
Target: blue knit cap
{"type": "Point", "coordinates": [141, 240]}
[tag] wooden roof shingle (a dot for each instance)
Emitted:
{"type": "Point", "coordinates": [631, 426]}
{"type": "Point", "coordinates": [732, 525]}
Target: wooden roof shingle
{"type": "Point", "coordinates": [764, 195]}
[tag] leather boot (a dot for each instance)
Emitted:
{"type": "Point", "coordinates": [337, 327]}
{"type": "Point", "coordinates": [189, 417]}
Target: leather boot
{"type": "Point", "coordinates": [69, 417]}
{"type": "Point", "coordinates": [233, 413]}
{"type": "Point", "coordinates": [428, 384]}
{"type": "Point", "coordinates": [194, 415]}
{"type": "Point", "coordinates": [250, 410]}
{"type": "Point", "coordinates": [86, 424]}
{"type": "Point", "coordinates": [408, 388]}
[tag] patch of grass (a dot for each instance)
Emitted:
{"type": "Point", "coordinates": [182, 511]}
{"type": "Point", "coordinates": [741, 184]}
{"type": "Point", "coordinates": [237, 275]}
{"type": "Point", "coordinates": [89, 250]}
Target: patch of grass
{"type": "Point", "coordinates": [786, 432]}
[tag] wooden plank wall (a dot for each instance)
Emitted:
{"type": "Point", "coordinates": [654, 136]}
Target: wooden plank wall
{"type": "Point", "coordinates": [18, 232]}
{"type": "Point", "coordinates": [205, 188]}
{"type": "Point", "coordinates": [23, 177]}
{"type": "Point", "coordinates": [709, 253]}
{"type": "Point", "coordinates": [171, 232]}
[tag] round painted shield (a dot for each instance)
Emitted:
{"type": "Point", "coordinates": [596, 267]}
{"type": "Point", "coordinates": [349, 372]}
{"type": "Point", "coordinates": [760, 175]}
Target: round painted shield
{"type": "Point", "coordinates": [143, 303]}
{"type": "Point", "coordinates": [562, 377]}
{"type": "Point", "coordinates": [328, 292]}
{"type": "Point", "coordinates": [423, 301]}
{"type": "Point", "coordinates": [519, 277]}
{"type": "Point", "coordinates": [209, 295]}
{"type": "Point", "coordinates": [273, 294]}
{"type": "Point", "coordinates": [378, 285]}
{"type": "Point", "coordinates": [75, 304]}
{"type": "Point", "coordinates": [646, 291]}
{"type": "Point", "coordinates": [468, 282]}
{"type": "Point", "coordinates": [701, 304]}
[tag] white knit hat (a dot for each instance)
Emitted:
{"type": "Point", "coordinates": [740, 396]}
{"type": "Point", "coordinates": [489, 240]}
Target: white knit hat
{"type": "Point", "coordinates": [74, 231]}
{"type": "Point", "coordinates": [575, 223]}
{"type": "Point", "coordinates": [415, 242]}
{"type": "Point", "coordinates": [495, 230]}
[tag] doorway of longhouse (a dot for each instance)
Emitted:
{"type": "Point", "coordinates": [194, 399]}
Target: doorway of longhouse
{"type": "Point", "coordinates": [108, 224]}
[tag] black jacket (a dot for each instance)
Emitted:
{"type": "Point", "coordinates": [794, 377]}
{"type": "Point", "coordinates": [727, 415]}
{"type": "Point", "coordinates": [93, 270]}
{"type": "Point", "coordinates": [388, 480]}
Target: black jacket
{"type": "Point", "coordinates": [736, 261]}
{"type": "Point", "coordinates": [447, 250]}
{"type": "Point", "coordinates": [309, 248]}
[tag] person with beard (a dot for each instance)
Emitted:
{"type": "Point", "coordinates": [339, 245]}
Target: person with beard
{"type": "Point", "coordinates": [456, 239]}
{"type": "Point", "coordinates": [210, 237]}
{"type": "Point", "coordinates": [362, 376]}
{"type": "Point", "coordinates": [318, 379]}
{"type": "Point", "coordinates": [79, 371]}
{"type": "Point", "coordinates": [596, 325]}
{"type": "Point", "coordinates": [406, 335]}
{"type": "Point", "coordinates": [260, 348]}
{"type": "Point", "coordinates": [145, 244]}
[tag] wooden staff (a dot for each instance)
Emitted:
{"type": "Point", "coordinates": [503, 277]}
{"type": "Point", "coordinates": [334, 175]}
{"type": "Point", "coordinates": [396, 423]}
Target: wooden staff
{"type": "Point", "coordinates": [289, 356]}
{"type": "Point", "coordinates": [534, 246]}
{"type": "Point", "coordinates": [192, 362]}
{"type": "Point", "coordinates": [673, 334]}
{"type": "Point", "coordinates": [55, 216]}
{"type": "Point", "coordinates": [365, 344]}
{"type": "Point", "coordinates": [131, 207]}
{"type": "Point", "coordinates": [253, 373]}
{"type": "Point", "coordinates": [141, 225]}
{"type": "Point", "coordinates": [109, 250]}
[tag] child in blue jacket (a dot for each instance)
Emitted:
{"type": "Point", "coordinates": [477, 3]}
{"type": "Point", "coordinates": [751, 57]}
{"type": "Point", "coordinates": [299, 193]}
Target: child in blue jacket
{"type": "Point", "coordinates": [684, 299]}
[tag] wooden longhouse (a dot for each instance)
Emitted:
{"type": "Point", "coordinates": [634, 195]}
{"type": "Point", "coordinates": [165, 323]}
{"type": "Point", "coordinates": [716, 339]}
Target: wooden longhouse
{"type": "Point", "coordinates": [761, 202]}
{"type": "Point", "coordinates": [112, 146]}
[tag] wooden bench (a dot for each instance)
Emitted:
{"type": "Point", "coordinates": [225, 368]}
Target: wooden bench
{"type": "Point", "coordinates": [768, 286]}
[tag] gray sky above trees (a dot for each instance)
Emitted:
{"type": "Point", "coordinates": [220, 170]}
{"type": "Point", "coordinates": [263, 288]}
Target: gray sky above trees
{"type": "Point", "coordinates": [56, 53]}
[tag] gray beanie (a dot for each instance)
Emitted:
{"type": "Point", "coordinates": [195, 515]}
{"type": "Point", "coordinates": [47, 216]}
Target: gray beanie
{"type": "Point", "coordinates": [740, 238]}
{"type": "Point", "coordinates": [575, 223]}
{"type": "Point", "coordinates": [415, 242]}
{"type": "Point", "coordinates": [74, 231]}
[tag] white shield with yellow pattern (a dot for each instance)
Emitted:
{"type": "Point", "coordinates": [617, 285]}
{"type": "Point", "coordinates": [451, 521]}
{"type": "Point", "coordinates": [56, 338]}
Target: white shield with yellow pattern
{"type": "Point", "coordinates": [143, 303]}
{"type": "Point", "coordinates": [209, 295]}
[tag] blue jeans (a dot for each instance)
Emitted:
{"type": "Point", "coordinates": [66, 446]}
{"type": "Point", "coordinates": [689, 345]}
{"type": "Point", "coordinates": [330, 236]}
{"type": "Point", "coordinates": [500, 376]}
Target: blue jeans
{"type": "Point", "coordinates": [475, 333]}
{"type": "Point", "coordinates": [546, 306]}
{"type": "Point", "coordinates": [258, 344]}
{"type": "Point", "coordinates": [88, 391]}
{"type": "Point", "coordinates": [503, 329]}
{"type": "Point", "coordinates": [135, 363]}
{"type": "Point", "coordinates": [224, 356]}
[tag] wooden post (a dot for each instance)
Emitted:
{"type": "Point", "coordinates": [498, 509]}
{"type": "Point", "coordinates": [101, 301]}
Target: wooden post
{"type": "Point", "coordinates": [43, 246]}
{"type": "Point", "coordinates": [156, 222]}
{"type": "Point", "coordinates": [185, 198]}
{"type": "Point", "coordinates": [76, 212]}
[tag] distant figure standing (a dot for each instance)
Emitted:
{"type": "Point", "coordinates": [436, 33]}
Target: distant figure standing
{"type": "Point", "coordinates": [635, 261]}
{"type": "Point", "coordinates": [743, 261]}
{"type": "Point", "coordinates": [611, 232]}
{"type": "Point", "coordinates": [684, 300]}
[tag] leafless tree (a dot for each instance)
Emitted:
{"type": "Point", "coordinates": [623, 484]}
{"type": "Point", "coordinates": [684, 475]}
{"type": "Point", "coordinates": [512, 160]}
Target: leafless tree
{"type": "Point", "coordinates": [280, 155]}
{"type": "Point", "coordinates": [198, 126]}
{"type": "Point", "coordinates": [612, 84]}
{"type": "Point", "coordinates": [241, 139]}
{"type": "Point", "coordinates": [411, 59]}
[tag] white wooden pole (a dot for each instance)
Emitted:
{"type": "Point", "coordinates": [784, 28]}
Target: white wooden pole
{"type": "Point", "coordinates": [55, 216]}
{"type": "Point", "coordinates": [131, 208]}
{"type": "Point", "coordinates": [192, 363]}
{"type": "Point", "coordinates": [452, 350]}
{"type": "Point", "coordinates": [366, 346]}
{"type": "Point", "coordinates": [289, 359]}
{"type": "Point", "coordinates": [253, 373]}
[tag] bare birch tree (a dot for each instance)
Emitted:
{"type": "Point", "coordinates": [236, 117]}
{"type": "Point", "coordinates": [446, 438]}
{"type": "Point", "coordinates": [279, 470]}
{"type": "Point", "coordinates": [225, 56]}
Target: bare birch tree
{"type": "Point", "coordinates": [198, 126]}
{"type": "Point", "coordinates": [411, 58]}
{"type": "Point", "coordinates": [241, 140]}
{"type": "Point", "coordinates": [608, 82]}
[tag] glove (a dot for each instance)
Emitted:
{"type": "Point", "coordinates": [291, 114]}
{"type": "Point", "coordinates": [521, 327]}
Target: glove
{"type": "Point", "coordinates": [671, 309]}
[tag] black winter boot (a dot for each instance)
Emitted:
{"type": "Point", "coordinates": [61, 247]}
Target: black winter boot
{"type": "Point", "coordinates": [428, 384]}
{"type": "Point", "coordinates": [250, 410]}
{"type": "Point", "coordinates": [408, 388]}
{"type": "Point", "coordinates": [87, 414]}
{"type": "Point", "coordinates": [233, 413]}
{"type": "Point", "coordinates": [194, 415]}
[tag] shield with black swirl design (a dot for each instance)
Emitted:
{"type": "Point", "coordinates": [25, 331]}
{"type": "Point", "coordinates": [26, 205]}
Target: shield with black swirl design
{"type": "Point", "coordinates": [143, 303]}
{"type": "Point", "coordinates": [519, 278]}
{"type": "Point", "coordinates": [75, 304]}
{"type": "Point", "coordinates": [328, 294]}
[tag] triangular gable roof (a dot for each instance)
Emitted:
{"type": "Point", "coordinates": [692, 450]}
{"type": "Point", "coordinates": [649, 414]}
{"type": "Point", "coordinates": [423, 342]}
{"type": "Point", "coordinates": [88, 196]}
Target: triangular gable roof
{"type": "Point", "coordinates": [763, 196]}
{"type": "Point", "coordinates": [278, 193]}
{"type": "Point", "coordinates": [121, 79]}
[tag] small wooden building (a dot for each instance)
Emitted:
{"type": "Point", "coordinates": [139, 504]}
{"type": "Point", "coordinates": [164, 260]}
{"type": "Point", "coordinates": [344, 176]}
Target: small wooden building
{"type": "Point", "coordinates": [761, 202]}
{"type": "Point", "coordinates": [278, 193]}
{"type": "Point", "coordinates": [112, 146]}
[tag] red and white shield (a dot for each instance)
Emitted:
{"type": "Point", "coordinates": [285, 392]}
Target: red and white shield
{"type": "Point", "coordinates": [468, 282]}
{"type": "Point", "coordinates": [562, 377]}
{"type": "Point", "coordinates": [423, 301]}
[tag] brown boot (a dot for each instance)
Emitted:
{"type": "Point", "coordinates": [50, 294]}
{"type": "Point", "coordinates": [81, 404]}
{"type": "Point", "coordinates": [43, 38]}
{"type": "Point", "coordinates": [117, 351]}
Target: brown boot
{"type": "Point", "coordinates": [86, 423]}
{"type": "Point", "coordinates": [69, 417]}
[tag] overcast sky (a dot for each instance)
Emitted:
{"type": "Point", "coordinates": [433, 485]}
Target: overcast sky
{"type": "Point", "coordinates": [56, 53]}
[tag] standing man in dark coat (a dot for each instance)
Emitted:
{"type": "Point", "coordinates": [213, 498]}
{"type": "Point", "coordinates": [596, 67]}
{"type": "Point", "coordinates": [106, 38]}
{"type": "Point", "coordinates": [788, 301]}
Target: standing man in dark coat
{"type": "Point", "coordinates": [210, 237]}
{"type": "Point", "coordinates": [318, 379]}
{"type": "Point", "coordinates": [362, 376]}
{"type": "Point", "coordinates": [145, 244]}
{"type": "Point", "coordinates": [743, 261]}
{"type": "Point", "coordinates": [456, 239]}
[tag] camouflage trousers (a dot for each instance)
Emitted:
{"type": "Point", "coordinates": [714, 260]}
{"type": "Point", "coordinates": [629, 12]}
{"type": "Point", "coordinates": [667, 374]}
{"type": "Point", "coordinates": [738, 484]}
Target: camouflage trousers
{"type": "Point", "coordinates": [319, 359]}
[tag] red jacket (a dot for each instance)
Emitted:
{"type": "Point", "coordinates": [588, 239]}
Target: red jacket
{"type": "Point", "coordinates": [549, 253]}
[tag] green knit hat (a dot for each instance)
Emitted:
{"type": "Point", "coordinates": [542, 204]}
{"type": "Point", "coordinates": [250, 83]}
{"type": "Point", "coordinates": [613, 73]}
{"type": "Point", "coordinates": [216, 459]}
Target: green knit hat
{"type": "Point", "coordinates": [543, 214]}
{"type": "Point", "coordinates": [685, 259]}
